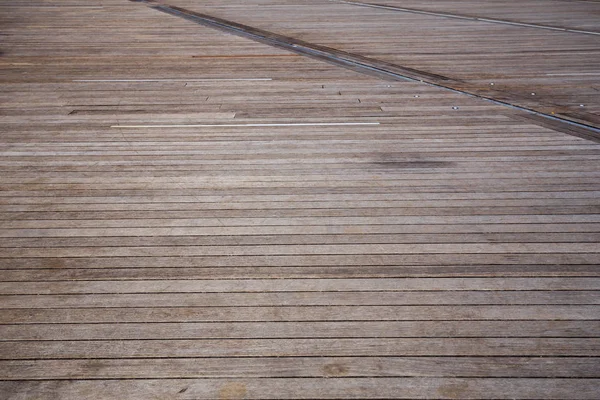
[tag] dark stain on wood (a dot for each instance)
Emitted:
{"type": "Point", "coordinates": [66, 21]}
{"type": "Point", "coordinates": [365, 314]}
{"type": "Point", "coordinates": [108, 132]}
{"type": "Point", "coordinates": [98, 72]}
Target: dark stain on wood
{"type": "Point", "coordinates": [335, 370]}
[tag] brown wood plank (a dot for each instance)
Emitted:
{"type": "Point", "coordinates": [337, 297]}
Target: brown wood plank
{"type": "Point", "coordinates": [332, 347]}
{"type": "Point", "coordinates": [282, 367]}
{"type": "Point", "coordinates": [287, 299]}
{"type": "Point", "coordinates": [301, 285]}
{"type": "Point", "coordinates": [293, 272]}
{"type": "Point", "coordinates": [293, 388]}
{"type": "Point", "coordinates": [581, 323]}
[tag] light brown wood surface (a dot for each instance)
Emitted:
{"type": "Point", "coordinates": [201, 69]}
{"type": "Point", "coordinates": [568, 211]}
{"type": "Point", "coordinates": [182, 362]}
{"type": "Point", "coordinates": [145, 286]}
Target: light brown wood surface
{"type": "Point", "coordinates": [189, 214]}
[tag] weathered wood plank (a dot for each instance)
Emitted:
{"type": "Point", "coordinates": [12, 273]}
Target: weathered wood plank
{"type": "Point", "coordinates": [307, 388]}
{"type": "Point", "coordinates": [333, 347]}
{"type": "Point", "coordinates": [302, 285]}
{"type": "Point", "coordinates": [419, 324]}
{"type": "Point", "coordinates": [299, 239]}
{"type": "Point", "coordinates": [111, 273]}
{"type": "Point", "coordinates": [307, 260]}
{"type": "Point", "coordinates": [483, 230]}
{"type": "Point", "coordinates": [303, 367]}
{"type": "Point", "coordinates": [33, 303]}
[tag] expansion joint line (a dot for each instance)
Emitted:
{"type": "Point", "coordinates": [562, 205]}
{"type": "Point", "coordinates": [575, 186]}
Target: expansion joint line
{"type": "Point", "coordinates": [466, 17]}
{"type": "Point", "coordinates": [355, 62]}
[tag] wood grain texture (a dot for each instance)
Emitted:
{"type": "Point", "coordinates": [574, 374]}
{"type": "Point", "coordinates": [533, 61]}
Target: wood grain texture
{"type": "Point", "coordinates": [303, 388]}
{"type": "Point", "coordinates": [274, 226]}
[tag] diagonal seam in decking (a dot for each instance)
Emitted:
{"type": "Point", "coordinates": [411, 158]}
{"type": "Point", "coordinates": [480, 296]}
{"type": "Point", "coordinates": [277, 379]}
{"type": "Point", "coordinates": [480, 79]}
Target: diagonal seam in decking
{"type": "Point", "coordinates": [369, 66]}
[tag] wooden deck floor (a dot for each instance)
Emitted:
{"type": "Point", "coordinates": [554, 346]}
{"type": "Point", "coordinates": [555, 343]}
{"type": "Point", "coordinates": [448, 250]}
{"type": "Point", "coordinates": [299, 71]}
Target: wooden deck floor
{"type": "Point", "coordinates": [189, 214]}
{"type": "Point", "coordinates": [537, 66]}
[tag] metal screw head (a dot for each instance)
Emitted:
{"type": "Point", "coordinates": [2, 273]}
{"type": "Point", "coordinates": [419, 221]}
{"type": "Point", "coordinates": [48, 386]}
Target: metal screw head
{"type": "Point", "coordinates": [416, 95]}
{"type": "Point", "coordinates": [533, 94]}
{"type": "Point", "coordinates": [455, 108]}
{"type": "Point", "coordinates": [491, 83]}
{"type": "Point", "coordinates": [582, 105]}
